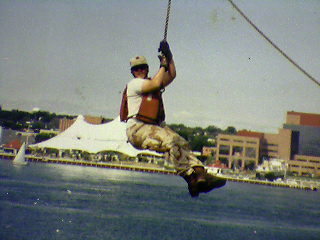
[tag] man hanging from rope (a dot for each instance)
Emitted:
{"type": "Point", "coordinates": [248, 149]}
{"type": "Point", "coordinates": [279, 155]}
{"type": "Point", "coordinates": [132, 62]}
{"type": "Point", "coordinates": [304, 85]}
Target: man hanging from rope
{"type": "Point", "coordinates": [142, 109]}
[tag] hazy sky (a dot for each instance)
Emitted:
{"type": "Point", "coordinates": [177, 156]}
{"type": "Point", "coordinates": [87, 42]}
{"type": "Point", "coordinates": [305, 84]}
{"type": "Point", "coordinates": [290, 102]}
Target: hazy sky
{"type": "Point", "coordinates": [72, 56]}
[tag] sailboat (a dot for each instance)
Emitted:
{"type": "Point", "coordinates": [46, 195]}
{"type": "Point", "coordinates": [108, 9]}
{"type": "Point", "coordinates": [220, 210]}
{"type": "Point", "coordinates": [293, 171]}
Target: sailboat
{"type": "Point", "coordinates": [20, 157]}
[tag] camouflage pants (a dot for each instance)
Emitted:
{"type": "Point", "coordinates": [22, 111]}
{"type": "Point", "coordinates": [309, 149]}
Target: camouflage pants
{"type": "Point", "coordinates": [164, 140]}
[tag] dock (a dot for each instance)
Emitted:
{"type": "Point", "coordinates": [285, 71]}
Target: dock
{"type": "Point", "coordinates": [273, 184]}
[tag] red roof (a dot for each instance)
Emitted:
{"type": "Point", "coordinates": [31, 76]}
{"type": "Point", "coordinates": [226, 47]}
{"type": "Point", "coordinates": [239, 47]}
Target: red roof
{"type": "Point", "coordinates": [15, 144]}
{"type": "Point", "coordinates": [218, 164]}
{"type": "Point", "coordinates": [307, 119]}
{"type": "Point", "coordinates": [245, 133]}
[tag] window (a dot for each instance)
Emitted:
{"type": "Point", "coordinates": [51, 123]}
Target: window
{"type": "Point", "coordinates": [224, 160]}
{"type": "Point", "coordinates": [224, 149]}
{"type": "Point", "coordinates": [237, 151]}
{"type": "Point", "coordinates": [225, 139]}
{"type": "Point", "coordinates": [250, 152]}
{"type": "Point", "coordinates": [301, 160]}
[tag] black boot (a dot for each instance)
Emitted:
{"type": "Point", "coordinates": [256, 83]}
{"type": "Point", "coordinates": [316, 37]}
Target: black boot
{"type": "Point", "coordinates": [196, 181]}
{"type": "Point", "coordinates": [211, 182]}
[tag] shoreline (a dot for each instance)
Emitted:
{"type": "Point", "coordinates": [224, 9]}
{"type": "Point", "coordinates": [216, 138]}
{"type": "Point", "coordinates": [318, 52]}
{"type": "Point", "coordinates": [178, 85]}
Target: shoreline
{"type": "Point", "coordinates": [135, 167]}
{"type": "Point", "coordinates": [120, 165]}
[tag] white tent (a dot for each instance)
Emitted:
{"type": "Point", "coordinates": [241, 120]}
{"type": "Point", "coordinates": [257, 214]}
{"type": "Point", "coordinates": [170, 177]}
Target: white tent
{"type": "Point", "coordinates": [93, 138]}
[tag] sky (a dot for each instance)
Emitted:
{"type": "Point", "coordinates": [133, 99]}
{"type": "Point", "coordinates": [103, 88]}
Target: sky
{"type": "Point", "coordinates": [72, 56]}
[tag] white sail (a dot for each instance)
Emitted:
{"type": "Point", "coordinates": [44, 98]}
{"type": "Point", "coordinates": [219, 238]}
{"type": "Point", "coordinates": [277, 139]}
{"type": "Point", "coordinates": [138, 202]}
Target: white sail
{"type": "Point", "coordinates": [20, 157]}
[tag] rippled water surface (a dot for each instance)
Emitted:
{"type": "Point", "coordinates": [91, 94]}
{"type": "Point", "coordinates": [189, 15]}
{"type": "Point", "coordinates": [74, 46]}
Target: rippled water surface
{"type": "Point", "coordinates": [44, 201]}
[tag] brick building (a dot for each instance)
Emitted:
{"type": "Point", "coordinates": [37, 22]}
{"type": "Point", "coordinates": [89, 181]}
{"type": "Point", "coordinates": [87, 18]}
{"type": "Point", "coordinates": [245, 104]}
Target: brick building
{"type": "Point", "coordinates": [208, 151]}
{"type": "Point", "coordinates": [298, 143]}
{"type": "Point", "coordinates": [248, 148]}
{"type": "Point", "coordinates": [238, 151]}
{"type": "Point", "coordinates": [65, 123]}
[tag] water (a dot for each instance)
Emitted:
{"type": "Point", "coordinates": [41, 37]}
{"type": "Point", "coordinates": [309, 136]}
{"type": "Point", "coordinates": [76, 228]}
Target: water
{"type": "Point", "coordinates": [44, 201]}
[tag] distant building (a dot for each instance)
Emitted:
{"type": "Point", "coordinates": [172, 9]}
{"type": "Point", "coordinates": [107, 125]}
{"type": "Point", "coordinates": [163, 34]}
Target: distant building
{"type": "Point", "coordinates": [93, 119]}
{"type": "Point", "coordinates": [13, 146]}
{"type": "Point", "coordinates": [208, 151]}
{"type": "Point", "coordinates": [303, 119]}
{"type": "Point", "coordinates": [298, 143]}
{"type": "Point", "coordinates": [306, 132]}
{"type": "Point", "coordinates": [305, 129]}
{"type": "Point", "coordinates": [305, 165]}
{"type": "Point", "coordinates": [238, 151]}
{"type": "Point", "coordinates": [65, 123]}
{"type": "Point", "coordinates": [276, 145]}
{"type": "Point", "coordinates": [249, 147]}
{"type": "Point", "coordinates": [8, 136]}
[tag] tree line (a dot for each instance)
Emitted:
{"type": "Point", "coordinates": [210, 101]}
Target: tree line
{"type": "Point", "coordinates": [199, 137]}
{"type": "Point", "coordinates": [22, 120]}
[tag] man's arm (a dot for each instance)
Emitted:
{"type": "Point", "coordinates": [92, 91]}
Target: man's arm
{"type": "Point", "coordinates": [170, 74]}
{"type": "Point", "coordinates": [163, 78]}
{"type": "Point", "coordinates": [156, 82]}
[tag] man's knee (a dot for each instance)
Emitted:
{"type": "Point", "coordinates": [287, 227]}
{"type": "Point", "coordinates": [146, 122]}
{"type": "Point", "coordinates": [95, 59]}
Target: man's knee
{"type": "Point", "coordinates": [152, 144]}
{"type": "Point", "coordinates": [175, 151]}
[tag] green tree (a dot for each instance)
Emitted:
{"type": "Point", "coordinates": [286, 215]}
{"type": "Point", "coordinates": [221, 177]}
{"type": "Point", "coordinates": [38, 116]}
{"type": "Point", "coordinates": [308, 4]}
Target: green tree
{"type": "Point", "coordinates": [37, 125]}
{"type": "Point", "coordinates": [230, 130]}
{"type": "Point", "coordinates": [212, 131]}
{"type": "Point", "coordinates": [198, 142]}
{"type": "Point", "coordinates": [43, 137]}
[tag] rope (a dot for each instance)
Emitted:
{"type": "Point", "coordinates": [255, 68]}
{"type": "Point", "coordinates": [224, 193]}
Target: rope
{"type": "Point", "coordinates": [273, 44]}
{"type": "Point", "coordinates": [167, 20]}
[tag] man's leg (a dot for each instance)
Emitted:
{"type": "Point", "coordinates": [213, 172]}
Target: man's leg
{"type": "Point", "coordinates": [163, 139]}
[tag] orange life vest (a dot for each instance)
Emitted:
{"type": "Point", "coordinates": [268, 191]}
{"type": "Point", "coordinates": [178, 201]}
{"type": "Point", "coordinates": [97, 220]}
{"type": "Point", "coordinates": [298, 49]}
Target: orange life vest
{"type": "Point", "coordinates": [151, 108]}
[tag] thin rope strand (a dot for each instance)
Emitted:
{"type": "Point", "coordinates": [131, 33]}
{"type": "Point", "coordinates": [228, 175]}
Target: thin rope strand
{"type": "Point", "coordinates": [273, 44]}
{"type": "Point", "coordinates": [167, 20]}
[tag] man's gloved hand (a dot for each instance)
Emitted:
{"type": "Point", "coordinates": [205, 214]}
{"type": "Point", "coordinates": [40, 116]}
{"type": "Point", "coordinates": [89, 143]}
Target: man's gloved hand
{"type": "Point", "coordinates": [163, 61]}
{"type": "Point", "coordinates": [165, 50]}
